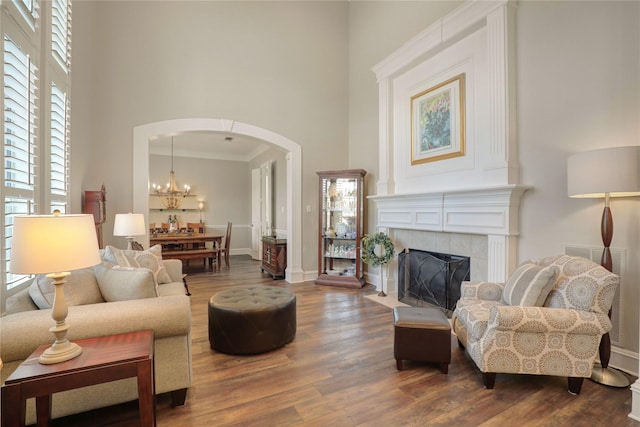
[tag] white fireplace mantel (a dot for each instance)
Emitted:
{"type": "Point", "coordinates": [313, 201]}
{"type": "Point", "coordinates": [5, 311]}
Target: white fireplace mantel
{"type": "Point", "coordinates": [491, 211]}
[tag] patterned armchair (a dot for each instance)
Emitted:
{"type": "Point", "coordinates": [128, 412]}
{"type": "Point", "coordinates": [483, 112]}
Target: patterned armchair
{"type": "Point", "coordinates": [547, 319]}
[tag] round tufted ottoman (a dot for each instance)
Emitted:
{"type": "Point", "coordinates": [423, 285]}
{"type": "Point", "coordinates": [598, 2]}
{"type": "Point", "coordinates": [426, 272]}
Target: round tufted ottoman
{"type": "Point", "coordinates": [251, 319]}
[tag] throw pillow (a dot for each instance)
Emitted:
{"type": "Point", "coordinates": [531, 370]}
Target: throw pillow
{"type": "Point", "coordinates": [124, 283]}
{"type": "Point", "coordinates": [80, 288]}
{"type": "Point", "coordinates": [529, 285]}
{"type": "Point", "coordinates": [151, 259]}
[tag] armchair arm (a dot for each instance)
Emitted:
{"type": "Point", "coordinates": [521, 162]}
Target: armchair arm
{"type": "Point", "coordinates": [488, 291]}
{"type": "Point", "coordinates": [546, 319]}
{"type": "Point", "coordinates": [174, 268]}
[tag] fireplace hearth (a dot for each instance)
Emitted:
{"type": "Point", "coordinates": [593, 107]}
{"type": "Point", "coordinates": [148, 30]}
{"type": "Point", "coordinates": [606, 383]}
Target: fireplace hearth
{"type": "Point", "coordinates": [431, 278]}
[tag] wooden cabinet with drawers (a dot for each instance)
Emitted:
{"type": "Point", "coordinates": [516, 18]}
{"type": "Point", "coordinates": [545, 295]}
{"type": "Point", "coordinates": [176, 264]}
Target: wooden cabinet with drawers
{"type": "Point", "coordinates": [274, 256]}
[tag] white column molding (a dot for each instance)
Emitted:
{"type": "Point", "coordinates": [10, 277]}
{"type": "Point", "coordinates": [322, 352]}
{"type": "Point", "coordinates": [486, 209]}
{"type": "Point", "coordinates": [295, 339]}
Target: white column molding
{"type": "Point", "coordinates": [385, 144]}
{"type": "Point", "coordinates": [635, 403]}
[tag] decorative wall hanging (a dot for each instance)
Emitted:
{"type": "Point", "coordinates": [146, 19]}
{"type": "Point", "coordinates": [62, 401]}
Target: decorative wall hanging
{"type": "Point", "coordinates": [438, 122]}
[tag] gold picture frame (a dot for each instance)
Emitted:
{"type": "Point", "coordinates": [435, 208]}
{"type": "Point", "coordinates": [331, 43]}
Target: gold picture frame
{"type": "Point", "coordinates": [438, 122]}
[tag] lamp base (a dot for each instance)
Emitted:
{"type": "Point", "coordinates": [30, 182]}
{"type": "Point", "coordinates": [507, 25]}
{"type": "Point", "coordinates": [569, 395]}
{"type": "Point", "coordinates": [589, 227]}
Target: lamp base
{"type": "Point", "coordinates": [608, 376]}
{"type": "Point", "coordinates": [60, 352]}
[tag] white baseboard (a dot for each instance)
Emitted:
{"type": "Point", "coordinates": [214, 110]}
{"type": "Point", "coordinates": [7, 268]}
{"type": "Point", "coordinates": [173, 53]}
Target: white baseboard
{"type": "Point", "coordinates": [624, 360]}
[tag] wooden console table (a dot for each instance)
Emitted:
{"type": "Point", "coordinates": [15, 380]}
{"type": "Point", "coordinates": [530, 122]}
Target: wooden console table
{"type": "Point", "coordinates": [103, 359]}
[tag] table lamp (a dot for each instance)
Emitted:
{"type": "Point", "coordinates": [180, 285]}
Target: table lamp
{"type": "Point", "coordinates": [605, 173]}
{"type": "Point", "coordinates": [54, 245]}
{"type": "Point", "coordinates": [129, 225]}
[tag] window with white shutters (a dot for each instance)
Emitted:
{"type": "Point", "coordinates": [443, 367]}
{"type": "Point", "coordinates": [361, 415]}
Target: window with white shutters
{"type": "Point", "coordinates": [59, 146]}
{"type": "Point", "coordinates": [35, 122]}
{"type": "Point", "coordinates": [19, 157]}
{"type": "Point", "coordinates": [60, 32]}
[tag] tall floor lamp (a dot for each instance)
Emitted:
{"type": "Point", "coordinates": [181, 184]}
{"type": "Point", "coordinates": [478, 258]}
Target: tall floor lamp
{"type": "Point", "coordinates": [54, 245]}
{"type": "Point", "coordinates": [605, 173]}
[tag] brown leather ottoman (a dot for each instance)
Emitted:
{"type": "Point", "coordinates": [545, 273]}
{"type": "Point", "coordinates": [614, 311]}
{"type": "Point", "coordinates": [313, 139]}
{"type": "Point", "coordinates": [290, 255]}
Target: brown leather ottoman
{"type": "Point", "coordinates": [421, 334]}
{"type": "Point", "coordinates": [251, 319]}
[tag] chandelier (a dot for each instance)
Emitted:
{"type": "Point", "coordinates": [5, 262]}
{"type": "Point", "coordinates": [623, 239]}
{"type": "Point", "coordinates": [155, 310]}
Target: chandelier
{"type": "Point", "coordinates": [171, 197]}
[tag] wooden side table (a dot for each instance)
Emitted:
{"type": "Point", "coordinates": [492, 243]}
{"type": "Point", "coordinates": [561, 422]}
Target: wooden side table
{"type": "Point", "coordinates": [103, 359]}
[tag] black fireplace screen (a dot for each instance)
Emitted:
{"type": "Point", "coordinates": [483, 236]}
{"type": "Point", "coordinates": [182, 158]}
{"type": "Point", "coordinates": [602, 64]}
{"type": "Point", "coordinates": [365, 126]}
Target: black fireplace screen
{"type": "Point", "coordinates": [431, 278]}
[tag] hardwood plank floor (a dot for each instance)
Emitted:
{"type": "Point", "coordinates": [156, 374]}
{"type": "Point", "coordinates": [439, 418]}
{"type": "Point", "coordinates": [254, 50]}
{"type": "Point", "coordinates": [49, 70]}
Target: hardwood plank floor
{"type": "Point", "coordinates": [340, 371]}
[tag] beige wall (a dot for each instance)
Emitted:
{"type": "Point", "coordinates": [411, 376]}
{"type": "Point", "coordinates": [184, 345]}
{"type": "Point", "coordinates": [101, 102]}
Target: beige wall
{"type": "Point", "coordinates": [279, 66]}
{"type": "Point", "coordinates": [578, 89]}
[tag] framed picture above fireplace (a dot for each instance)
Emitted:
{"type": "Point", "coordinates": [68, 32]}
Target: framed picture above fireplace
{"type": "Point", "coordinates": [438, 121]}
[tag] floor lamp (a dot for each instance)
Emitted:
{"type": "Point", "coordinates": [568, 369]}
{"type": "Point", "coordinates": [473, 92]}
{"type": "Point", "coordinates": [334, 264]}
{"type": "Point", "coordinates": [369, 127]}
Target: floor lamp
{"type": "Point", "coordinates": [605, 173]}
{"type": "Point", "coordinates": [54, 245]}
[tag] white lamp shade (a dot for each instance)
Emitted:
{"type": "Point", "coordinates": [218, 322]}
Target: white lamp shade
{"type": "Point", "coordinates": [615, 171]}
{"type": "Point", "coordinates": [43, 244]}
{"type": "Point", "coordinates": [129, 225]}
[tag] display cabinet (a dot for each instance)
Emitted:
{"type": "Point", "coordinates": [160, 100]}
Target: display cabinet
{"type": "Point", "coordinates": [340, 228]}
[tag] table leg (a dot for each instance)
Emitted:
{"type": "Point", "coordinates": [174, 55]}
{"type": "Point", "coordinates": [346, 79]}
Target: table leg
{"type": "Point", "coordinates": [146, 395]}
{"type": "Point", "coordinates": [13, 407]}
{"type": "Point", "coordinates": [43, 410]}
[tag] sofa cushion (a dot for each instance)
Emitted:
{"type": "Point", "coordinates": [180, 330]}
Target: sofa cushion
{"type": "Point", "coordinates": [80, 288]}
{"type": "Point", "coordinates": [529, 285]}
{"type": "Point", "coordinates": [150, 258]}
{"type": "Point", "coordinates": [124, 283]}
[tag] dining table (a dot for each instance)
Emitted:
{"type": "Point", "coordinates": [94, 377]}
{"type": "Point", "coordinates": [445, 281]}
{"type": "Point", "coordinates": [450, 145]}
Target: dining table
{"type": "Point", "coordinates": [172, 243]}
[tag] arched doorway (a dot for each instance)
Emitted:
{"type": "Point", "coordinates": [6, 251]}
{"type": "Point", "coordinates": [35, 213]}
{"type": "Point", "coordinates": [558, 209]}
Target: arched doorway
{"type": "Point", "coordinates": [144, 134]}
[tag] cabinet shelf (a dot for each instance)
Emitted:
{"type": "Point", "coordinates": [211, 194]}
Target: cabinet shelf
{"type": "Point", "coordinates": [341, 212]}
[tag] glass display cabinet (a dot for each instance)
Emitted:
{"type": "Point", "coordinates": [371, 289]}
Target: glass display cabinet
{"type": "Point", "coordinates": [340, 228]}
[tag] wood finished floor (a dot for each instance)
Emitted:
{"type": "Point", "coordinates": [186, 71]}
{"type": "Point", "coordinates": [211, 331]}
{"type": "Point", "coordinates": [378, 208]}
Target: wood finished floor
{"type": "Point", "coordinates": [339, 371]}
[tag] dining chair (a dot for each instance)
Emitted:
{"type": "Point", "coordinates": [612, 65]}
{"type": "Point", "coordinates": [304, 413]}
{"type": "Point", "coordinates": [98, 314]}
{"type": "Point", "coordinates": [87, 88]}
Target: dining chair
{"type": "Point", "coordinates": [227, 241]}
{"type": "Point", "coordinates": [197, 227]}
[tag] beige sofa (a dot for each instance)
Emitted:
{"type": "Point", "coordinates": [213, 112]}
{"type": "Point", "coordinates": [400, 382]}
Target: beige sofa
{"type": "Point", "coordinates": [24, 327]}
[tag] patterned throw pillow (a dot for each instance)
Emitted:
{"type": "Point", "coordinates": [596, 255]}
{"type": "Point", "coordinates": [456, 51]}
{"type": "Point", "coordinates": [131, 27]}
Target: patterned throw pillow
{"type": "Point", "coordinates": [529, 285]}
{"type": "Point", "coordinates": [151, 259]}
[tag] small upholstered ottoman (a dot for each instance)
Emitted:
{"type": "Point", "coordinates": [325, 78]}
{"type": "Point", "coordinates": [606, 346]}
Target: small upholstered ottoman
{"type": "Point", "coordinates": [421, 334]}
{"type": "Point", "coordinates": [251, 319]}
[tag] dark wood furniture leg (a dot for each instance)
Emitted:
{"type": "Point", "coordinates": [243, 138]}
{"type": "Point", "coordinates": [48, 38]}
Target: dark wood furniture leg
{"type": "Point", "coordinates": [146, 393]}
{"type": "Point", "coordinates": [43, 410]}
{"type": "Point", "coordinates": [186, 287]}
{"type": "Point", "coordinates": [575, 385]}
{"type": "Point", "coordinates": [489, 380]}
{"type": "Point", "coordinates": [178, 397]}
{"type": "Point", "coordinates": [11, 399]}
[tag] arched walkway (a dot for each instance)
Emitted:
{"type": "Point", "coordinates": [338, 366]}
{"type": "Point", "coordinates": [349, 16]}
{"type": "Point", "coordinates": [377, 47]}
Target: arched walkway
{"type": "Point", "coordinates": [144, 134]}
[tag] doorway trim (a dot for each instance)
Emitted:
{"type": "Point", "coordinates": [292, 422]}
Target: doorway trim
{"type": "Point", "coordinates": [143, 135]}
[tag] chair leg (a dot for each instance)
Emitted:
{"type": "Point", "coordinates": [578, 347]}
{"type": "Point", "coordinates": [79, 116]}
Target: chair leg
{"type": "Point", "coordinates": [575, 385]}
{"type": "Point", "coordinates": [489, 380]}
{"type": "Point", "coordinates": [444, 368]}
{"type": "Point", "coordinates": [399, 366]}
